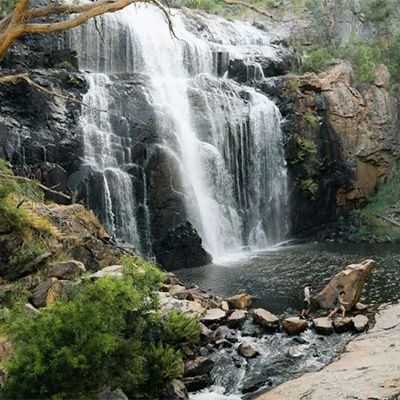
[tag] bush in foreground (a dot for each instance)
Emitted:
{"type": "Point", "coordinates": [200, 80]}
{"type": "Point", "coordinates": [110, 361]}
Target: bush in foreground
{"type": "Point", "coordinates": [108, 335]}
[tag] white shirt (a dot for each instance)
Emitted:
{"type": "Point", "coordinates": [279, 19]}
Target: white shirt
{"type": "Point", "coordinates": [306, 293]}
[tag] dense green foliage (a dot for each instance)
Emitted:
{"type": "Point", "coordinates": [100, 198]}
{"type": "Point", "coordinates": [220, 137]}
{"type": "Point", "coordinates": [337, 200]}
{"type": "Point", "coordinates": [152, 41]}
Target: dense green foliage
{"type": "Point", "coordinates": [180, 330]}
{"type": "Point", "coordinates": [6, 7]}
{"type": "Point", "coordinates": [309, 187]}
{"type": "Point", "coordinates": [306, 151]}
{"type": "Point", "coordinates": [108, 335]}
{"type": "Point", "coordinates": [366, 221]}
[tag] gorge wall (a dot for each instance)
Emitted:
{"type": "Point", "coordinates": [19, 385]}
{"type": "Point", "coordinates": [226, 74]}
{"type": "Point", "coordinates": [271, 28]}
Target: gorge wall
{"type": "Point", "coordinates": [185, 153]}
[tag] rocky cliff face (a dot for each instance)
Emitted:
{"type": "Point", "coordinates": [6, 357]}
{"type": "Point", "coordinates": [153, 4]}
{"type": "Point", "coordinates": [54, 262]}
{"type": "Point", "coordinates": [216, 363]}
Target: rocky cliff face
{"type": "Point", "coordinates": [340, 142]}
{"type": "Point", "coordinates": [356, 143]}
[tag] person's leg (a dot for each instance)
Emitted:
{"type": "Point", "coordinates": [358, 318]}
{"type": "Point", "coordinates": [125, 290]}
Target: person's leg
{"type": "Point", "coordinates": [308, 309]}
{"type": "Point", "coordinates": [303, 312]}
{"type": "Point", "coordinates": [343, 310]}
{"type": "Point", "coordinates": [333, 312]}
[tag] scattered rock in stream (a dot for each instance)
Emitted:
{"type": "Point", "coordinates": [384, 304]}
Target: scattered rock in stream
{"type": "Point", "coordinates": [194, 383]}
{"type": "Point", "coordinates": [360, 323]}
{"type": "Point", "coordinates": [215, 315]}
{"type": "Point", "coordinates": [247, 350]}
{"type": "Point", "coordinates": [323, 326]}
{"type": "Point", "coordinates": [343, 324]}
{"type": "Point", "coordinates": [198, 366]}
{"type": "Point", "coordinates": [236, 319]}
{"type": "Point", "coordinates": [294, 325]}
{"type": "Point", "coordinates": [178, 391]}
{"type": "Point", "coordinates": [241, 301]}
{"type": "Point", "coordinates": [266, 319]}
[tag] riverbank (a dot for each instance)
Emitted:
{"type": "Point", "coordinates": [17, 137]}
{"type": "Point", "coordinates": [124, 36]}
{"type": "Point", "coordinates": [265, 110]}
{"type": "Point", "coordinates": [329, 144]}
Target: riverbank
{"type": "Point", "coordinates": [369, 368]}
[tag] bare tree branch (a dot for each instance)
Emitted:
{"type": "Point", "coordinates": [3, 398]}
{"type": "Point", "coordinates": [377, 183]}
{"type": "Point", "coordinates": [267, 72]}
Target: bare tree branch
{"type": "Point", "coordinates": [21, 20]}
{"type": "Point", "coordinates": [25, 77]}
{"type": "Point", "coordinates": [13, 78]}
{"type": "Point", "coordinates": [45, 188]}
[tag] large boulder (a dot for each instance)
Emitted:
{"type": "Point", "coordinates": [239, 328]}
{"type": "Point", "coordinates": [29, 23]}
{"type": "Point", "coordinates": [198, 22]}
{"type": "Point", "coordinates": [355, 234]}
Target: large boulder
{"type": "Point", "coordinates": [294, 325]}
{"type": "Point", "coordinates": [199, 366]}
{"type": "Point", "coordinates": [265, 318]}
{"type": "Point", "coordinates": [47, 292]}
{"type": "Point", "coordinates": [66, 269]}
{"type": "Point", "coordinates": [323, 326]}
{"type": "Point", "coordinates": [241, 301]}
{"type": "Point", "coordinates": [352, 280]}
{"type": "Point", "coordinates": [181, 247]}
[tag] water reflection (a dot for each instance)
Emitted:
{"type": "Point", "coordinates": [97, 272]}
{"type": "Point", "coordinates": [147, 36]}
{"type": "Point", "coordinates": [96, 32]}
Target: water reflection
{"type": "Point", "coordinates": [276, 277]}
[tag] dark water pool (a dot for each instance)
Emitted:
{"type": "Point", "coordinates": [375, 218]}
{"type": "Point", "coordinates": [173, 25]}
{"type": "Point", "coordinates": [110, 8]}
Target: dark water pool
{"type": "Point", "coordinates": [276, 277]}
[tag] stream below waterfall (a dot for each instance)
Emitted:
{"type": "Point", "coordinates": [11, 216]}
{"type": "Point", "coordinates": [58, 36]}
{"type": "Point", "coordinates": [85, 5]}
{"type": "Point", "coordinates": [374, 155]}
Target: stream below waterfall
{"type": "Point", "coordinates": [276, 277]}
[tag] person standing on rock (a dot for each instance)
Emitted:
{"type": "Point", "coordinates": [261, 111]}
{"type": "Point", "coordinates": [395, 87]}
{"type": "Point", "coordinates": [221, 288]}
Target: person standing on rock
{"type": "Point", "coordinates": [306, 301]}
{"type": "Point", "coordinates": [339, 305]}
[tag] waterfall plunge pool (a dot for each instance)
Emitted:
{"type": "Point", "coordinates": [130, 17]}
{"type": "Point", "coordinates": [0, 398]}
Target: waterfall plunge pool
{"type": "Point", "coordinates": [276, 277]}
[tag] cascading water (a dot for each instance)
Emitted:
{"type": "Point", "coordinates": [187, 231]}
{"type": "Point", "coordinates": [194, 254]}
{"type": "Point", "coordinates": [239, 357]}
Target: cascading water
{"type": "Point", "coordinates": [226, 136]}
{"type": "Point", "coordinates": [104, 152]}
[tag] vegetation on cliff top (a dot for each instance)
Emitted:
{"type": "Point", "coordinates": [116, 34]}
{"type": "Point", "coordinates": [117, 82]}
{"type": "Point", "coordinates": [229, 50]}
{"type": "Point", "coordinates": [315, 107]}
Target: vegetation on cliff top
{"type": "Point", "coordinates": [363, 54]}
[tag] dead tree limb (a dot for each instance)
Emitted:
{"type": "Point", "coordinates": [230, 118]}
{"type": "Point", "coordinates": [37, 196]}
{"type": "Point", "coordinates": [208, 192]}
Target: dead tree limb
{"type": "Point", "coordinates": [22, 19]}
{"type": "Point", "coordinates": [45, 188]}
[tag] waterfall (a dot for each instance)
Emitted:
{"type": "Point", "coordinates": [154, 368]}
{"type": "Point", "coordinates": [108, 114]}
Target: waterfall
{"type": "Point", "coordinates": [103, 153]}
{"type": "Point", "coordinates": [225, 136]}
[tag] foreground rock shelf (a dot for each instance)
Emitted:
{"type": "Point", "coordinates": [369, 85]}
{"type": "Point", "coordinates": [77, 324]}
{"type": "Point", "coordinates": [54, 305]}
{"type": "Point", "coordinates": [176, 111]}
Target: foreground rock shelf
{"type": "Point", "coordinates": [369, 369]}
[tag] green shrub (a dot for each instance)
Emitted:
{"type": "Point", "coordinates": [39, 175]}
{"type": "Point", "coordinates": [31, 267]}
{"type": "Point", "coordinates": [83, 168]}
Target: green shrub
{"type": "Point", "coordinates": [317, 60]}
{"type": "Point", "coordinates": [310, 118]}
{"type": "Point", "coordinates": [13, 294]}
{"type": "Point", "coordinates": [66, 65]}
{"type": "Point", "coordinates": [308, 187]}
{"type": "Point", "coordinates": [289, 92]}
{"type": "Point", "coordinates": [24, 256]}
{"type": "Point", "coordinates": [378, 10]}
{"type": "Point", "coordinates": [392, 57]}
{"type": "Point", "coordinates": [163, 364]}
{"type": "Point", "coordinates": [6, 6]}
{"type": "Point", "coordinates": [271, 3]}
{"type": "Point", "coordinates": [364, 59]}
{"type": "Point", "coordinates": [306, 150]}
{"type": "Point", "coordinates": [99, 339]}
{"type": "Point", "coordinates": [206, 5]}
{"type": "Point", "coordinates": [180, 330]}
